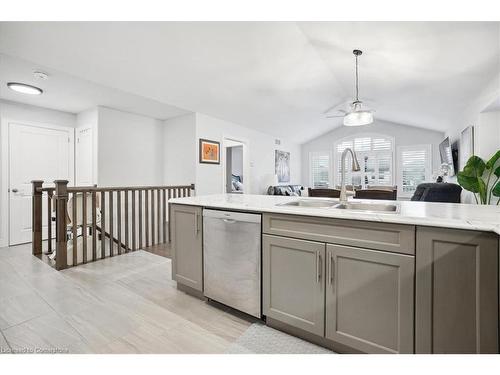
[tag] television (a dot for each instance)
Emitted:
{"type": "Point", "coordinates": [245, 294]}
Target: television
{"type": "Point", "coordinates": [449, 155]}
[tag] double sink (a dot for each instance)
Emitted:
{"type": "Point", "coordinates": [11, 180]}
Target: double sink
{"type": "Point", "coordinates": [352, 206]}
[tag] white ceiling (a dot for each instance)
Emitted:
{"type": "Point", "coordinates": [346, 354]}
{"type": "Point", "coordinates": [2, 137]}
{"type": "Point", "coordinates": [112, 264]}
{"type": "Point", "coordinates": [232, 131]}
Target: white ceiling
{"type": "Point", "coordinates": [276, 77]}
{"type": "Point", "coordinates": [64, 92]}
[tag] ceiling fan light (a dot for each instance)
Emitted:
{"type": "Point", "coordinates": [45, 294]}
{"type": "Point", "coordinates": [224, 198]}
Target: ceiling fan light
{"type": "Point", "coordinates": [358, 118]}
{"type": "Point", "coordinates": [23, 88]}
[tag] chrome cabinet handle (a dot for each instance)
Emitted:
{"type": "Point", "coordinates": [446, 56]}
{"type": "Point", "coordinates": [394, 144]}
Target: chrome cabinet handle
{"type": "Point", "coordinates": [332, 268]}
{"type": "Point", "coordinates": [196, 224]}
{"type": "Point", "coordinates": [318, 262]}
{"type": "Point", "coordinates": [329, 267]}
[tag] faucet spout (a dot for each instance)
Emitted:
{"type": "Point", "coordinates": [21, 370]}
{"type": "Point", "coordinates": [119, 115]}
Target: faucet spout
{"type": "Point", "coordinates": [355, 168]}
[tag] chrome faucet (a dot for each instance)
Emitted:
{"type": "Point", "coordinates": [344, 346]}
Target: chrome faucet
{"type": "Point", "coordinates": [355, 168]}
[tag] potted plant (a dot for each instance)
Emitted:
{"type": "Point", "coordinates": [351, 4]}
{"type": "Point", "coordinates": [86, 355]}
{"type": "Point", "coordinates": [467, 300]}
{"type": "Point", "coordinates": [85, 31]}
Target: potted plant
{"type": "Point", "coordinates": [482, 178]}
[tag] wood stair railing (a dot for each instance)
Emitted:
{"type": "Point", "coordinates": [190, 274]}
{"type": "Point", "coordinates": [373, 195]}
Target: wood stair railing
{"type": "Point", "coordinates": [139, 219]}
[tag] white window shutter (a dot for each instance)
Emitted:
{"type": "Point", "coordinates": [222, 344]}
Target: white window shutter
{"type": "Point", "coordinates": [320, 169]}
{"type": "Point", "coordinates": [414, 167]}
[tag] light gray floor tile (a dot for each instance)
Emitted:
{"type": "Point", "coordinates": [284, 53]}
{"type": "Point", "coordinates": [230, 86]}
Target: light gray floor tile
{"type": "Point", "coordinates": [18, 309]}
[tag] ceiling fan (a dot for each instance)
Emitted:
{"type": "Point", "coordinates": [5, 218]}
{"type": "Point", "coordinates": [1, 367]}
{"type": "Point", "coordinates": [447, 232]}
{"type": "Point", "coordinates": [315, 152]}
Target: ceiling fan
{"type": "Point", "coordinates": [357, 114]}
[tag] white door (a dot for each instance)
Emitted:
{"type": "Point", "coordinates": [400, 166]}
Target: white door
{"type": "Point", "coordinates": [84, 156]}
{"type": "Point", "coordinates": [35, 153]}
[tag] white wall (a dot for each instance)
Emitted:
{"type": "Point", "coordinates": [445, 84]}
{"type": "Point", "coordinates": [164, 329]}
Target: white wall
{"type": "Point", "coordinates": [30, 113]}
{"type": "Point", "coordinates": [88, 119]}
{"type": "Point", "coordinates": [403, 136]}
{"type": "Point", "coordinates": [487, 134]}
{"type": "Point", "coordinates": [24, 113]}
{"type": "Point", "coordinates": [129, 149]}
{"type": "Point", "coordinates": [179, 150]}
{"type": "Point", "coordinates": [209, 178]}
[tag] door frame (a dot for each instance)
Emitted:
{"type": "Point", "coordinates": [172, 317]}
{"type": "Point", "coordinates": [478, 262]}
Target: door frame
{"type": "Point", "coordinates": [246, 161]}
{"type": "Point", "coordinates": [5, 168]}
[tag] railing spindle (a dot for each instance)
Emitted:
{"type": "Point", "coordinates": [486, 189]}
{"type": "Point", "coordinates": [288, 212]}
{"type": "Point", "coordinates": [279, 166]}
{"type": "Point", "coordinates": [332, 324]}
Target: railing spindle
{"type": "Point", "coordinates": [119, 219]}
{"type": "Point", "coordinates": [152, 217]}
{"type": "Point", "coordinates": [164, 212]}
{"type": "Point", "coordinates": [84, 225]}
{"type": "Point", "coordinates": [158, 216]}
{"type": "Point", "coordinates": [94, 226]}
{"type": "Point", "coordinates": [103, 225]}
{"type": "Point", "coordinates": [133, 221]}
{"type": "Point", "coordinates": [126, 221]}
{"type": "Point", "coordinates": [146, 218]}
{"type": "Point", "coordinates": [74, 231]}
{"type": "Point", "coordinates": [169, 191]}
{"type": "Point", "coordinates": [140, 219]}
{"type": "Point", "coordinates": [111, 225]}
{"type": "Point", "coordinates": [49, 222]}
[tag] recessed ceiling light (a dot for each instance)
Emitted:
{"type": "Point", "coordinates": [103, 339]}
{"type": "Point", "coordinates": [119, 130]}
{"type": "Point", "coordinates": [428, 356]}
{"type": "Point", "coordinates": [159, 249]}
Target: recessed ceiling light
{"type": "Point", "coordinates": [24, 88]}
{"type": "Point", "coordinates": [40, 75]}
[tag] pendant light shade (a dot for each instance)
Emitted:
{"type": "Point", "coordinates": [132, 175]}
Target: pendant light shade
{"type": "Point", "coordinates": [358, 118]}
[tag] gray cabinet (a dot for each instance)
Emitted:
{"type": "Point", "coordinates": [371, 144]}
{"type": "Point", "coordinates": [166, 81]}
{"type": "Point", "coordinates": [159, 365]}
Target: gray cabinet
{"type": "Point", "coordinates": [294, 282]}
{"type": "Point", "coordinates": [187, 252]}
{"type": "Point", "coordinates": [369, 299]}
{"type": "Point", "coordinates": [456, 291]}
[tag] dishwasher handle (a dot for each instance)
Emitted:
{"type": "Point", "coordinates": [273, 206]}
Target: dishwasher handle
{"type": "Point", "coordinates": [229, 221]}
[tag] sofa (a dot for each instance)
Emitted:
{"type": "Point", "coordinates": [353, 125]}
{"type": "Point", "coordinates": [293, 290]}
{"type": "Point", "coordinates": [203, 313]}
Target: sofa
{"type": "Point", "coordinates": [437, 192]}
{"type": "Point", "coordinates": [290, 190]}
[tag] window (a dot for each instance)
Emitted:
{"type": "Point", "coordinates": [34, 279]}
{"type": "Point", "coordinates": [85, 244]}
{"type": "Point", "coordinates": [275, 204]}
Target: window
{"type": "Point", "coordinates": [320, 169]}
{"type": "Point", "coordinates": [414, 168]}
{"type": "Point", "coordinates": [375, 155]}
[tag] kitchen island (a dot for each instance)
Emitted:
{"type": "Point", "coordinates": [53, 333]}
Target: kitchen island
{"type": "Point", "coordinates": [415, 278]}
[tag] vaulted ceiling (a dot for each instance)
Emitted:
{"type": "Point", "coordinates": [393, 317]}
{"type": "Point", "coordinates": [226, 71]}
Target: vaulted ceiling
{"type": "Point", "coordinates": [276, 77]}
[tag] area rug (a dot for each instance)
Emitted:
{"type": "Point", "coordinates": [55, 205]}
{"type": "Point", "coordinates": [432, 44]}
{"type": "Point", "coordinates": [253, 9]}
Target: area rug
{"type": "Point", "coordinates": [260, 339]}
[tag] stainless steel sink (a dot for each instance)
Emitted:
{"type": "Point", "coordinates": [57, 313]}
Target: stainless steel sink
{"type": "Point", "coordinates": [369, 207]}
{"type": "Point", "coordinates": [323, 203]}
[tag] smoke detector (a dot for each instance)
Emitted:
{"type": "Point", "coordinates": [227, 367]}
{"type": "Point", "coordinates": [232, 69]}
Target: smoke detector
{"type": "Point", "coordinates": [41, 75]}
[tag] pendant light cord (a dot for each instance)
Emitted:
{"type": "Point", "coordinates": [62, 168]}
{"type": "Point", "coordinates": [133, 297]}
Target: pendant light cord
{"type": "Point", "coordinates": [357, 85]}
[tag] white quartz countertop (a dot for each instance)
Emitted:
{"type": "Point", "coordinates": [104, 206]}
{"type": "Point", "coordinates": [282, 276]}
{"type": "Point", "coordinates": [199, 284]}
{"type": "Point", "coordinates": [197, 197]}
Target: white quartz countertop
{"type": "Point", "coordinates": [446, 215]}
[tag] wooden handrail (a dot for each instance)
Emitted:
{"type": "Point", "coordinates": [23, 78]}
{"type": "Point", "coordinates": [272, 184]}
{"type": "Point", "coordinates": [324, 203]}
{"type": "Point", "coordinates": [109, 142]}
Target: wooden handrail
{"type": "Point", "coordinates": [80, 189]}
{"type": "Point", "coordinates": [120, 226]}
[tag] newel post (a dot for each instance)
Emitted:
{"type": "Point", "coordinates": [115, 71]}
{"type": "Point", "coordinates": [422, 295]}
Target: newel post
{"type": "Point", "coordinates": [36, 217]}
{"type": "Point", "coordinates": [61, 197]}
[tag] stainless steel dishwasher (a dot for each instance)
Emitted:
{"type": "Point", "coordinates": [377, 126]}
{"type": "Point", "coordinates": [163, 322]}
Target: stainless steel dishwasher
{"type": "Point", "coordinates": [232, 258]}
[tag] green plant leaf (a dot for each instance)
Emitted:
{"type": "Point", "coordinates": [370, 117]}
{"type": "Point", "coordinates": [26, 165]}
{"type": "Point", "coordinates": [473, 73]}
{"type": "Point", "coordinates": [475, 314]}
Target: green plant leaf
{"type": "Point", "coordinates": [496, 190]}
{"type": "Point", "coordinates": [475, 167]}
{"type": "Point", "coordinates": [482, 190]}
{"type": "Point", "coordinates": [469, 183]}
{"type": "Point", "coordinates": [497, 171]}
{"type": "Point", "coordinates": [491, 163]}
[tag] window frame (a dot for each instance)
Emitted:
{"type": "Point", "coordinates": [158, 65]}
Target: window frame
{"type": "Point", "coordinates": [428, 166]}
{"type": "Point", "coordinates": [337, 155]}
{"type": "Point", "coordinates": [311, 181]}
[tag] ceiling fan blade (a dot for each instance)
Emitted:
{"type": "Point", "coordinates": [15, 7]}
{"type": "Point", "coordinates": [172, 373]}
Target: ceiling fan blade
{"type": "Point", "coordinates": [340, 104]}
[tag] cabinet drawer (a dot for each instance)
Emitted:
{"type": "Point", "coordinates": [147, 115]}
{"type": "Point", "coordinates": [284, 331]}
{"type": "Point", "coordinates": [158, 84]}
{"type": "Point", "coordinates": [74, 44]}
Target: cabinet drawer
{"type": "Point", "coordinates": [397, 238]}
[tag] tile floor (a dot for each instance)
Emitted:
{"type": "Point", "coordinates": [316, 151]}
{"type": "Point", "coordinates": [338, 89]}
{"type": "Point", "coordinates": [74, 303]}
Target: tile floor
{"type": "Point", "coordinates": [124, 304]}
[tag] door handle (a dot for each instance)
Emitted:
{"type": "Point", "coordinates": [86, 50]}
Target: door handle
{"type": "Point", "coordinates": [14, 190]}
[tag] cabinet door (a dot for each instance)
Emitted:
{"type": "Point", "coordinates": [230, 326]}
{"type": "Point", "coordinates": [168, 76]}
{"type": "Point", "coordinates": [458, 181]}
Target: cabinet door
{"type": "Point", "coordinates": [369, 299]}
{"type": "Point", "coordinates": [293, 282]}
{"type": "Point", "coordinates": [187, 245]}
{"type": "Point", "coordinates": [456, 291]}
